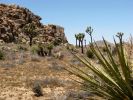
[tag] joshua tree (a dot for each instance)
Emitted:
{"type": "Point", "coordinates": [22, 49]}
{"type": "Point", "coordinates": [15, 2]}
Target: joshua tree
{"type": "Point", "coordinates": [89, 30]}
{"type": "Point", "coordinates": [119, 35]}
{"type": "Point", "coordinates": [81, 38]}
{"type": "Point", "coordinates": [76, 36]}
{"type": "Point", "coordinates": [13, 32]}
{"type": "Point", "coordinates": [30, 30]}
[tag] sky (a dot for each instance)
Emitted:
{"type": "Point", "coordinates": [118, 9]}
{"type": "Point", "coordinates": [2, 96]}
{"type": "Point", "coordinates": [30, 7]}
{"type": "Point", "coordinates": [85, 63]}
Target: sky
{"type": "Point", "coordinates": [106, 17]}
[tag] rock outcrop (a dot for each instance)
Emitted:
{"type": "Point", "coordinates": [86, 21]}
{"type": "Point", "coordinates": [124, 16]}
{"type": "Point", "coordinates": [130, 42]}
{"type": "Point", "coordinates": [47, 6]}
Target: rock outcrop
{"type": "Point", "coordinates": [12, 20]}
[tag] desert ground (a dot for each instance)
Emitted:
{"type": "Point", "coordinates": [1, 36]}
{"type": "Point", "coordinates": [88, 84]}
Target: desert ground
{"type": "Point", "coordinates": [21, 70]}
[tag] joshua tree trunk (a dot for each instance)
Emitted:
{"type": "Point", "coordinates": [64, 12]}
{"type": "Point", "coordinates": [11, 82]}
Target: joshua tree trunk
{"type": "Point", "coordinates": [30, 41]}
{"type": "Point", "coordinates": [85, 43]}
{"type": "Point", "coordinates": [82, 48]}
{"type": "Point", "coordinates": [76, 42]}
{"type": "Point", "coordinates": [91, 38]}
{"type": "Point", "coordinates": [79, 43]}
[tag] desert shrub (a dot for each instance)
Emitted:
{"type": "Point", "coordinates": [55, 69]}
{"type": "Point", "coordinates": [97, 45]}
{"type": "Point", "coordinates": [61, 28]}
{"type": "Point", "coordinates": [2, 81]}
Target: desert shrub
{"type": "Point", "coordinates": [22, 47]}
{"type": "Point", "coordinates": [104, 49]}
{"type": "Point", "coordinates": [8, 65]}
{"type": "Point", "coordinates": [2, 55]}
{"type": "Point", "coordinates": [49, 47]}
{"type": "Point", "coordinates": [113, 81]}
{"type": "Point", "coordinates": [57, 41]}
{"type": "Point", "coordinates": [21, 59]}
{"type": "Point", "coordinates": [34, 49]}
{"type": "Point", "coordinates": [58, 55]}
{"type": "Point", "coordinates": [37, 89]}
{"type": "Point", "coordinates": [53, 81]}
{"type": "Point", "coordinates": [67, 46]}
{"type": "Point", "coordinates": [57, 96]}
{"type": "Point", "coordinates": [35, 58]}
{"type": "Point", "coordinates": [89, 54]}
{"type": "Point", "coordinates": [78, 95]}
{"type": "Point", "coordinates": [56, 66]}
{"type": "Point", "coordinates": [41, 50]}
{"type": "Point", "coordinates": [71, 48]}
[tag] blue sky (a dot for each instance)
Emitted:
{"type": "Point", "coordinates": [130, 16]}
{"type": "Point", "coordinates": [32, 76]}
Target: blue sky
{"type": "Point", "coordinates": [107, 17]}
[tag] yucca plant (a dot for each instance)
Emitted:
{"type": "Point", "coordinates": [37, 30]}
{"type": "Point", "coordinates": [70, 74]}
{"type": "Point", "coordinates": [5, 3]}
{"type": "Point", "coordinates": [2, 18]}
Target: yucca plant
{"type": "Point", "coordinates": [110, 80]}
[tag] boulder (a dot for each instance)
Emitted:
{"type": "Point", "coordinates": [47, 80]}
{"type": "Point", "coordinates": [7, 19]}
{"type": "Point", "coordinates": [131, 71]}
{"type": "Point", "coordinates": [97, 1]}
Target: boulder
{"type": "Point", "coordinates": [12, 20]}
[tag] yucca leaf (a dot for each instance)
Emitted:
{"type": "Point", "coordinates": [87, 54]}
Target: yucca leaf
{"type": "Point", "coordinates": [124, 69]}
{"type": "Point", "coordinates": [112, 81]}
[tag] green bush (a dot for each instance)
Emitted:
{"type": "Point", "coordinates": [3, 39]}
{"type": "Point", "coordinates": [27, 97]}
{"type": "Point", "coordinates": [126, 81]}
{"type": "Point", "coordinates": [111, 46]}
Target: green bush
{"type": "Point", "coordinates": [2, 55]}
{"type": "Point", "coordinates": [89, 54]}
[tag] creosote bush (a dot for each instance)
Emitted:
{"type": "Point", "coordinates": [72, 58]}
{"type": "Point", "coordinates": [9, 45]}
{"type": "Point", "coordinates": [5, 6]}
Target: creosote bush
{"type": "Point", "coordinates": [39, 50]}
{"type": "Point", "coordinates": [34, 49]}
{"type": "Point", "coordinates": [42, 50]}
{"type": "Point", "coordinates": [37, 89]}
{"type": "Point", "coordinates": [89, 54]}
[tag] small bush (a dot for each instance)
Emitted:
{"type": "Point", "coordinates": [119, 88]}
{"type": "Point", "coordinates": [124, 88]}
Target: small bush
{"type": "Point", "coordinates": [58, 55]}
{"type": "Point", "coordinates": [35, 58]}
{"type": "Point", "coordinates": [89, 54]}
{"type": "Point", "coordinates": [21, 59]}
{"type": "Point", "coordinates": [34, 49]}
{"type": "Point", "coordinates": [78, 95]}
{"type": "Point", "coordinates": [53, 82]}
{"type": "Point", "coordinates": [57, 41]}
{"type": "Point", "coordinates": [49, 47]}
{"type": "Point", "coordinates": [22, 47]}
{"type": "Point", "coordinates": [56, 66]}
{"type": "Point", "coordinates": [104, 49]}
{"type": "Point", "coordinates": [2, 55]}
{"type": "Point", "coordinates": [8, 65]}
{"type": "Point", "coordinates": [39, 49]}
{"type": "Point", "coordinates": [37, 89]}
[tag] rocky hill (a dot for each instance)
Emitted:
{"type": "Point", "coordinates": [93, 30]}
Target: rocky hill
{"type": "Point", "coordinates": [12, 20]}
